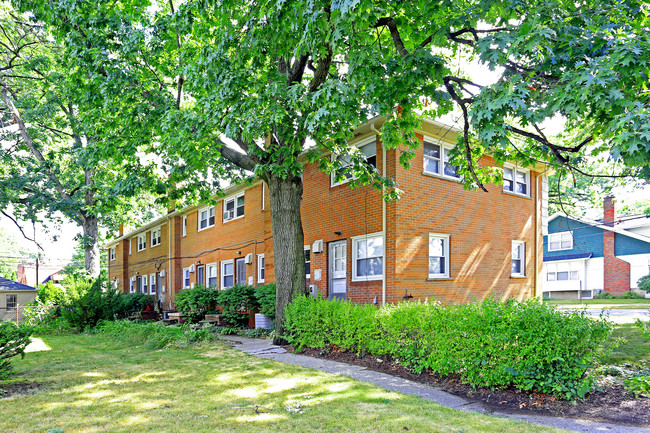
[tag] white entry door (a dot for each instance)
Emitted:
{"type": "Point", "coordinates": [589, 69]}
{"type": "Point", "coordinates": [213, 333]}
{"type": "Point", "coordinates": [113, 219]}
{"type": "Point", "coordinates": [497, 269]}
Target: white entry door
{"type": "Point", "coordinates": [337, 270]}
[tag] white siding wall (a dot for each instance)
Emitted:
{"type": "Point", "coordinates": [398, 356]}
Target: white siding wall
{"type": "Point", "coordinates": [645, 231]}
{"type": "Point", "coordinates": [595, 274]}
{"type": "Point", "coordinates": [639, 267]}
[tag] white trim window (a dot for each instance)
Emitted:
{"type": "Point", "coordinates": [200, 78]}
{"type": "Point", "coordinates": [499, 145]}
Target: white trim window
{"type": "Point", "coordinates": [436, 159]}
{"type": "Point", "coordinates": [367, 147]}
{"type": "Point", "coordinates": [186, 278]}
{"type": "Point", "coordinates": [111, 253]}
{"type": "Point", "coordinates": [367, 257]}
{"type": "Point", "coordinates": [11, 302]}
{"type": "Point", "coordinates": [560, 241]}
{"type": "Point", "coordinates": [233, 207]}
{"type": "Point", "coordinates": [516, 180]}
{"type": "Point", "coordinates": [184, 225]}
{"type": "Point", "coordinates": [206, 218]}
{"type": "Point", "coordinates": [261, 268]}
{"type": "Point", "coordinates": [563, 271]}
{"type": "Point", "coordinates": [438, 255]}
{"type": "Point", "coordinates": [132, 285]}
{"type": "Point", "coordinates": [518, 259]}
{"type": "Point", "coordinates": [227, 274]}
{"type": "Point", "coordinates": [211, 274]}
{"type": "Point", "coordinates": [152, 284]}
{"type": "Point", "coordinates": [144, 284]}
{"type": "Point", "coordinates": [142, 242]}
{"type": "Point", "coordinates": [307, 262]}
{"type": "Point", "coordinates": [155, 237]}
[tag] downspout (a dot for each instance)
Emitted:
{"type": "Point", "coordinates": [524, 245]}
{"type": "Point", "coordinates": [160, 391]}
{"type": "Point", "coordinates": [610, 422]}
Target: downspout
{"type": "Point", "coordinates": [383, 217]}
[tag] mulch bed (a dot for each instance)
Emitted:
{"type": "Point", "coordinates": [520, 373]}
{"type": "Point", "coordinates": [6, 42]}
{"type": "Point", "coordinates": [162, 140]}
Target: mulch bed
{"type": "Point", "coordinates": [612, 404]}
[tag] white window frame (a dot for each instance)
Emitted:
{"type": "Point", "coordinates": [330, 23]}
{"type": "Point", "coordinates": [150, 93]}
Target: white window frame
{"type": "Point", "coordinates": [261, 268]}
{"type": "Point", "coordinates": [224, 275]}
{"type": "Point", "coordinates": [156, 235]}
{"type": "Point", "coordinates": [358, 145]}
{"type": "Point", "coordinates": [152, 284]}
{"type": "Point", "coordinates": [14, 301]}
{"type": "Point", "coordinates": [208, 267]}
{"type": "Point", "coordinates": [132, 285]}
{"type": "Point", "coordinates": [186, 278]}
{"type": "Point", "coordinates": [130, 242]}
{"type": "Point", "coordinates": [184, 225]}
{"type": "Point", "coordinates": [445, 148]}
{"type": "Point", "coordinates": [521, 245]}
{"type": "Point", "coordinates": [560, 238]}
{"type": "Point", "coordinates": [308, 274]}
{"type": "Point", "coordinates": [573, 270]}
{"type": "Point", "coordinates": [210, 211]}
{"type": "Point", "coordinates": [355, 241]}
{"type": "Point", "coordinates": [144, 284]}
{"type": "Point", "coordinates": [142, 242]}
{"type": "Point", "coordinates": [445, 256]}
{"type": "Point", "coordinates": [234, 199]}
{"type": "Point", "coordinates": [516, 169]}
{"type": "Point", "coordinates": [112, 253]}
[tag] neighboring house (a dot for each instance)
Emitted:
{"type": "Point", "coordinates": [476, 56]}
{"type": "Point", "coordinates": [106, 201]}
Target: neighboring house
{"type": "Point", "coordinates": [439, 241]}
{"type": "Point", "coordinates": [583, 257]}
{"type": "Point", "coordinates": [28, 273]}
{"type": "Point", "coordinates": [13, 295]}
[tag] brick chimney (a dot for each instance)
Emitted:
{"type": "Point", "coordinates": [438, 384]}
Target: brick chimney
{"type": "Point", "coordinates": [617, 271]}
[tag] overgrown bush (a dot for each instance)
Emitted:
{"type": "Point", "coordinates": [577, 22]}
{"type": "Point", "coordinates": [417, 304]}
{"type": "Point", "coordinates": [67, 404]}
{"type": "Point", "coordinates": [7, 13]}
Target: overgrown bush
{"type": "Point", "coordinates": [13, 340]}
{"type": "Point", "coordinates": [630, 295]}
{"type": "Point", "coordinates": [604, 295]}
{"type": "Point", "coordinates": [528, 345]}
{"type": "Point", "coordinates": [265, 296]}
{"type": "Point", "coordinates": [132, 302]}
{"type": "Point", "coordinates": [644, 283]}
{"type": "Point", "coordinates": [195, 302]}
{"type": "Point", "coordinates": [236, 301]}
{"type": "Point", "coordinates": [154, 335]}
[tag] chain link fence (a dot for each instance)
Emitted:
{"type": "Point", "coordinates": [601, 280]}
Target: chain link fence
{"type": "Point", "coordinates": [27, 314]}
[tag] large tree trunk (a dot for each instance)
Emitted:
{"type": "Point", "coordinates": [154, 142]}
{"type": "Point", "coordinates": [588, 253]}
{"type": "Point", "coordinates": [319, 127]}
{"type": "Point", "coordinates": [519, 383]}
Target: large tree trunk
{"type": "Point", "coordinates": [91, 245]}
{"type": "Point", "coordinates": [288, 245]}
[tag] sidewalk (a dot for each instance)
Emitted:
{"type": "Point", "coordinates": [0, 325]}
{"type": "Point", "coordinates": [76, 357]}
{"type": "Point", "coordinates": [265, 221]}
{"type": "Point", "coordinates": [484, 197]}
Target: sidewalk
{"type": "Point", "coordinates": [266, 349]}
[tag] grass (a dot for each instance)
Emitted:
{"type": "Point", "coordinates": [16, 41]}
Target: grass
{"type": "Point", "coordinates": [93, 383]}
{"type": "Point", "coordinates": [633, 348]}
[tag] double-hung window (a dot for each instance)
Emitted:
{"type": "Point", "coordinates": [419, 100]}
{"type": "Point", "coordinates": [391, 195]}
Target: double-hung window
{"type": "Point", "coordinates": [12, 302]}
{"type": "Point", "coordinates": [206, 218]}
{"type": "Point", "coordinates": [200, 275]}
{"type": "Point", "coordinates": [560, 241]}
{"type": "Point", "coordinates": [132, 285]}
{"type": "Point", "coordinates": [144, 284]}
{"type": "Point", "coordinates": [438, 256]}
{"type": "Point", "coordinates": [307, 262]}
{"type": "Point", "coordinates": [518, 259]}
{"type": "Point", "coordinates": [155, 237]}
{"type": "Point", "coordinates": [516, 180]}
{"type": "Point", "coordinates": [211, 274]}
{"type": "Point", "coordinates": [185, 225]}
{"type": "Point", "coordinates": [233, 207]}
{"type": "Point", "coordinates": [186, 278]}
{"type": "Point", "coordinates": [111, 254]}
{"type": "Point", "coordinates": [142, 241]}
{"type": "Point", "coordinates": [152, 284]}
{"type": "Point", "coordinates": [367, 257]}
{"type": "Point", "coordinates": [260, 268]}
{"type": "Point", "coordinates": [227, 274]}
{"type": "Point", "coordinates": [436, 159]}
{"type": "Point", "coordinates": [343, 174]}
{"type": "Point", "coordinates": [563, 271]}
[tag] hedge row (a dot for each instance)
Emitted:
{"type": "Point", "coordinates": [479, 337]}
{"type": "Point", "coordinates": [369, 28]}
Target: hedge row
{"type": "Point", "coordinates": [527, 345]}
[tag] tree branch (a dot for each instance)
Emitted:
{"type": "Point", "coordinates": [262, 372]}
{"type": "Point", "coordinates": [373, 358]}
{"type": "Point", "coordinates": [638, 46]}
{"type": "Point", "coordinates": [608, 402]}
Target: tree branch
{"type": "Point", "coordinates": [390, 23]}
{"type": "Point", "coordinates": [21, 230]}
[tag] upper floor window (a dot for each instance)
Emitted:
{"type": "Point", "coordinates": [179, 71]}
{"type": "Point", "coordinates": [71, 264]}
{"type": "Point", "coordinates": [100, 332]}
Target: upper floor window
{"type": "Point", "coordinates": [111, 253]}
{"type": "Point", "coordinates": [518, 259]}
{"type": "Point", "coordinates": [438, 256]}
{"type": "Point", "coordinates": [367, 257]}
{"type": "Point", "coordinates": [560, 241]}
{"type": "Point", "coordinates": [436, 159]}
{"type": "Point", "coordinates": [206, 217]}
{"type": "Point", "coordinates": [155, 237]}
{"type": "Point", "coordinates": [516, 180]}
{"type": "Point", "coordinates": [233, 207]}
{"type": "Point", "coordinates": [342, 174]}
{"type": "Point", "coordinates": [142, 241]}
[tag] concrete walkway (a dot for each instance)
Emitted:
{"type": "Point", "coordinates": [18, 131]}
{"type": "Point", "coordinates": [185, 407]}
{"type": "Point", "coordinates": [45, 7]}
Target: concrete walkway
{"type": "Point", "coordinates": [266, 349]}
{"type": "Point", "coordinates": [617, 315]}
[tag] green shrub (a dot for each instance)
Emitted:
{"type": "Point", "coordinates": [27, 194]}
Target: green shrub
{"type": "Point", "coordinates": [638, 385]}
{"type": "Point", "coordinates": [195, 302]}
{"type": "Point", "coordinates": [604, 295]}
{"type": "Point", "coordinates": [154, 335]}
{"type": "Point", "coordinates": [236, 301]}
{"type": "Point", "coordinates": [528, 345]}
{"type": "Point", "coordinates": [132, 302]}
{"type": "Point", "coordinates": [13, 340]}
{"type": "Point", "coordinates": [630, 295]}
{"type": "Point", "coordinates": [265, 296]}
{"type": "Point", "coordinates": [644, 283]}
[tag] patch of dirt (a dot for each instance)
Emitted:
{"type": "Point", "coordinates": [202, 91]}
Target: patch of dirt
{"type": "Point", "coordinates": [20, 388]}
{"type": "Point", "coordinates": [612, 404]}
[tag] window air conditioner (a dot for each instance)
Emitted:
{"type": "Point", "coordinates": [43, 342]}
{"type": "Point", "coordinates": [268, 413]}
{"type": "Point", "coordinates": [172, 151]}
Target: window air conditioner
{"type": "Point", "coordinates": [318, 246]}
{"type": "Point", "coordinates": [191, 268]}
{"type": "Point", "coordinates": [229, 214]}
{"type": "Point", "coordinates": [249, 258]}
{"type": "Point", "coordinates": [162, 273]}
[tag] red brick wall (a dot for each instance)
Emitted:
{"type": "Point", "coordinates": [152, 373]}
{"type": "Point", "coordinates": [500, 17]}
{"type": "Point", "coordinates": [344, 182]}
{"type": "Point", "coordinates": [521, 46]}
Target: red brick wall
{"type": "Point", "coordinates": [617, 271]}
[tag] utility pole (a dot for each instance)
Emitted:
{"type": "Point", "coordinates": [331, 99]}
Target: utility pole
{"type": "Point", "coordinates": [37, 252]}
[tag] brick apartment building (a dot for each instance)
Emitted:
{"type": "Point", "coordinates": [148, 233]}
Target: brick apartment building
{"type": "Point", "coordinates": [439, 241]}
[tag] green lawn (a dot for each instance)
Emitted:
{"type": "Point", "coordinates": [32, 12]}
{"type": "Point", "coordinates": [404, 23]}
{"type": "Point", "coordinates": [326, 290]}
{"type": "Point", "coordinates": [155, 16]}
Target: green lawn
{"type": "Point", "coordinates": [634, 349]}
{"type": "Point", "coordinates": [615, 303]}
{"type": "Point", "coordinates": [94, 383]}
